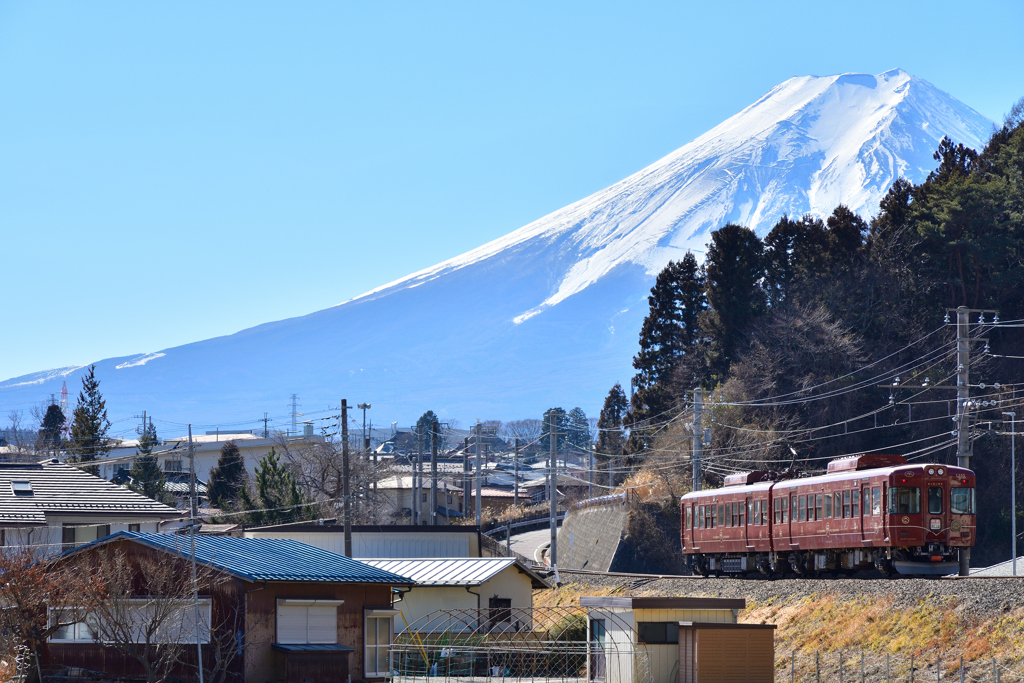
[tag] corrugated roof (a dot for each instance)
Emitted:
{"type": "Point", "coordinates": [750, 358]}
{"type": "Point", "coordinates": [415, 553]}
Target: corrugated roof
{"type": "Point", "coordinates": [453, 571]}
{"type": "Point", "coordinates": [61, 488]}
{"type": "Point", "coordinates": [262, 559]}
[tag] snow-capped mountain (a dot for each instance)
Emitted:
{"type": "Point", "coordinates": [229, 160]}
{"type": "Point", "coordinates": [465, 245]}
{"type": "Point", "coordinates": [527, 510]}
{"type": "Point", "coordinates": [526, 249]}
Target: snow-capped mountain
{"type": "Point", "coordinates": [549, 314]}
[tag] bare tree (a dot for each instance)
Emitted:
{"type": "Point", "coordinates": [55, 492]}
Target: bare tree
{"type": "Point", "coordinates": [146, 610]}
{"type": "Point", "coordinates": [527, 430]}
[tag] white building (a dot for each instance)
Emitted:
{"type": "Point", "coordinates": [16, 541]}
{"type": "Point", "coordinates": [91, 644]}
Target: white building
{"type": "Point", "coordinates": [498, 584]}
{"type": "Point", "coordinates": [383, 541]}
{"type": "Point", "coordinates": [398, 491]}
{"type": "Point", "coordinates": [50, 506]}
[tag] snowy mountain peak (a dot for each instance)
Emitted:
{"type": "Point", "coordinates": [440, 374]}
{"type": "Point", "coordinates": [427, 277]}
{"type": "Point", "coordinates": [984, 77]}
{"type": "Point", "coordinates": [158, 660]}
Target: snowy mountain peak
{"type": "Point", "coordinates": [552, 310]}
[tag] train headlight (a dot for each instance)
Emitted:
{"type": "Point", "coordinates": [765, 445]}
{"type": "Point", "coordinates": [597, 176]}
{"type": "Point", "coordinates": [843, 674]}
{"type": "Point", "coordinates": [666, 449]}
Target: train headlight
{"type": "Point", "coordinates": [935, 524]}
{"type": "Point", "coordinates": [931, 470]}
{"type": "Point", "coordinates": [941, 471]}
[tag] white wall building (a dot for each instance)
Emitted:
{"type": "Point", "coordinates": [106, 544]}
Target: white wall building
{"type": "Point", "coordinates": [384, 541]}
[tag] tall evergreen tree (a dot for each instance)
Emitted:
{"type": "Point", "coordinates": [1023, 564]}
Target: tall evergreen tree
{"type": "Point", "coordinates": [578, 438]}
{"type": "Point", "coordinates": [50, 438]}
{"type": "Point", "coordinates": [146, 476]}
{"type": "Point", "coordinates": [610, 437]}
{"type": "Point", "coordinates": [90, 423]}
{"type": "Point", "coordinates": [274, 497]}
{"type": "Point", "coordinates": [734, 270]}
{"type": "Point", "coordinates": [561, 429]}
{"type": "Point", "coordinates": [228, 478]}
{"type": "Point", "coordinates": [670, 331]}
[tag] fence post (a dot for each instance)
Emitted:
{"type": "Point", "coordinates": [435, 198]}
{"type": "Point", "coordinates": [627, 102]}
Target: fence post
{"type": "Point", "coordinates": [817, 666]}
{"type": "Point", "coordinates": [840, 665]}
{"type": "Point", "coordinates": [938, 668]}
{"type": "Point", "coordinates": [792, 667]}
{"type": "Point", "coordinates": [995, 674]}
{"type": "Point", "coordinates": [961, 669]}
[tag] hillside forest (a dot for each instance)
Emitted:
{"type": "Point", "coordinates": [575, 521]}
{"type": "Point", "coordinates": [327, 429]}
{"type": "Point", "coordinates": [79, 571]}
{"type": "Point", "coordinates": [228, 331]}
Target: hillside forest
{"type": "Point", "coordinates": [799, 337]}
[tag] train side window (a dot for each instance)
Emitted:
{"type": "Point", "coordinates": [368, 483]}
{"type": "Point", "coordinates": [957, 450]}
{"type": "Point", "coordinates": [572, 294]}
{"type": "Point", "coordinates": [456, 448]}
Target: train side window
{"type": "Point", "coordinates": [855, 499]}
{"type": "Point", "coordinates": [777, 510]}
{"type": "Point", "coordinates": [876, 501]}
{"type": "Point", "coordinates": [803, 508]}
{"type": "Point", "coordinates": [689, 519]}
{"type": "Point", "coordinates": [828, 506]}
{"type": "Point", "coordinates": [961, 501]}
{"type": "Point", "coordinates": [721, 516]}
{"type": "Point", "coordinates": [935, 500]}
{"type": "Point", "coordinates": [904, 500]}
{"type": "Point", "coordinates": [785, 510]}
{"type": "Point", "coordinates": [846, 504]}
{"type": "Point", "coordinates": [743, 514]}
{"type": "Point", "coordinates": [736, 514]}
{"type": "Point", "coordinates": [837, 505]}
{"type": "Point", "coordinates": [867, 501]}
{"type": "Point", "coordinates": [818, 514]}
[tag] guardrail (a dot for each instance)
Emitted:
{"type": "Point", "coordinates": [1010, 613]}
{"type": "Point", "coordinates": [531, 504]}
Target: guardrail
{"type": "Point", "coordinates": [539, 522]}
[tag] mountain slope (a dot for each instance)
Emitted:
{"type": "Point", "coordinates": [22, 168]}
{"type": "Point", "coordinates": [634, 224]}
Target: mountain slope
{"type": "Point", "coordinates": [549, 314]}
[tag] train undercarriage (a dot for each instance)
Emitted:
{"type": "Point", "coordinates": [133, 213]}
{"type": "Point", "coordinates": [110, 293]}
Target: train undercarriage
{"type": "Point", "coordinates": [934, 559]}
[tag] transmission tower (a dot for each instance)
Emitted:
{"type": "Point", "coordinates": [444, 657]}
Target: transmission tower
{"type": "Point", "coordinates": [295, 412]}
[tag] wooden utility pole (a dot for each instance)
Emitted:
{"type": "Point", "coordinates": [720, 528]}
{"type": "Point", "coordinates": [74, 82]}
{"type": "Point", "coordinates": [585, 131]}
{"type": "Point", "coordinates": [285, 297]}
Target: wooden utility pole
{"type": "Point", "coordinates": [345, 495]}
{"type": "Point", "coordinates": [433, 472]}
{"type": "Point", "coordinates": [553, 486]}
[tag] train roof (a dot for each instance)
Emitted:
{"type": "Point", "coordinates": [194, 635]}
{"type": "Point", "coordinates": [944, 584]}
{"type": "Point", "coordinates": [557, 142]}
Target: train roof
{"type": "Point", "coordinates": [847, 475]}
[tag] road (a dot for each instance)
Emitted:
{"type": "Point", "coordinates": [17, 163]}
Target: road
{"type": "Point", "coordinates": [527, 542]}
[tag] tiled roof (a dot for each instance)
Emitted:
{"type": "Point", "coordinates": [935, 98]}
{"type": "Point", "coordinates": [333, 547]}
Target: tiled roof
{"type": "Point", "coordinates": [63, 489]}
{"type": "Point", "coordinates": [262, 559]}
{"type": "Point", "coordinates": [453, 571]}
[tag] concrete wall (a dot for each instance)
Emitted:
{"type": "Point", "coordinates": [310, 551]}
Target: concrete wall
{"type": "Point", "coordinates": [595, 533]}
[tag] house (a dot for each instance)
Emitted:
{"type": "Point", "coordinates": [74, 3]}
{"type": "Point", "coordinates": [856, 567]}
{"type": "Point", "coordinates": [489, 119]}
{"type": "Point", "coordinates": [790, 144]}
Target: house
{"type": "Point", "coordinates": [269, 610]}
{"type": "Point", "coordinates": [502, 585]}
{"type": "Point", "coordinates": [380, 541]}
{"type": "Point", "coordinates": [172, 454]}
{"type": "Point", "coordinates": [398, 492]}
{"type": "Point", "coordinates": [52, 506]}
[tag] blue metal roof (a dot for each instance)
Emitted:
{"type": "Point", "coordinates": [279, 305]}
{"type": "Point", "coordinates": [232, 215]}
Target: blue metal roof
{"type": "Point", "coordinates": [262, 559]}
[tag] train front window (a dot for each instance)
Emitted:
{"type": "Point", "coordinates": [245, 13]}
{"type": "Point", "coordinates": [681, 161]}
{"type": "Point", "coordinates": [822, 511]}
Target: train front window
{"type": "Point", "coordinates": [905, 500]}
{"type": "Point", "coordinates": [935, 500]}
{"type": "Point", "coordinates": [961, 501]}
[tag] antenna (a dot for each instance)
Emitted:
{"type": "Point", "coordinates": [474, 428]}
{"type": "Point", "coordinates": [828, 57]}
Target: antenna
{"type": "Point", "coordinates": [295, 412]}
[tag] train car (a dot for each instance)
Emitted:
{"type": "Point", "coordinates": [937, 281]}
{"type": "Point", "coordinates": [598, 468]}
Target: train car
{"type": "Point", "coordinates": [870, 510]}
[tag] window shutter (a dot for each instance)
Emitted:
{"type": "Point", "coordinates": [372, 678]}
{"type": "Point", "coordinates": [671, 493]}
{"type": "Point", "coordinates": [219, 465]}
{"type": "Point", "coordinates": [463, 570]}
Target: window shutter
{"type": "Point", "coordinates": [323, 624]}
{"type": "Point", "coordinates": [291, 624]}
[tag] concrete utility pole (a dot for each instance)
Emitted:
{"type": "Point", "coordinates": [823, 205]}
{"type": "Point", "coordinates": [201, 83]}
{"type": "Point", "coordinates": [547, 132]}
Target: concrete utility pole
{"type": "Point", "coordinates": [698, 437]}
{"type": "Point", "coordinates": [433, 471]}
{"type": "Point", "coordinates": [345, 495]}
{"type": "Point", "coordinates": [1013, 489]}
{"type": "Point", "coordinates": [465, 474]}
{"type": "Point", "coordinates": [192, 504]}
{"type": "Point", "coordinates": [963, 395]}
{"type": "Point", "coordinates": [479, 477]}
{"type": "Point", "coordinates": [553, 485]}
{"type": "Point", "coordinates": [419, 474]}
{"type": "Point", "coordinates": [515, 475]}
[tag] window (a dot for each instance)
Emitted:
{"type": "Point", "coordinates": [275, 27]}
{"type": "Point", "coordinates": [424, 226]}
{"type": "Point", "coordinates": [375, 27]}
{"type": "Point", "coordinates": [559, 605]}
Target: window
{"type": "Point", "coordinates": [846, 504]}
{"type": "Point", "coordinates": [828, 506]}
{"type": "Point", "coordinates": [102, 531]}
{"type": "Point", "coordinates": [755, 515]}
{"type": "Point", "coordinates": [721, 515]}
{"type": "Point", "coordinates": [67, 536]}
{"type": "Point", "coordinates": [961, 501]}
{"type": "Point", "coordinates": [743, 511]}
{"type": "Point", "coordinates": [837, 507]}
{"type": "Point", "coordinates": [307, 621]}
{"type": "Point", "coordinates": [170, 622]}
{"type": "Point", "coordinates": [83, 630]}
{"type": "Point", "coordinates": [855, 500]}
{"type": "Point", "coordinates": [876, 501]}
{"type": "Point", "coordinates": [777, 511]}
{"type": "Point", "coordinates": [867, 501]}
{"type": "Point", "coordinates": [378, 630]}
{"type": "Point", "coordinates": [658, 632]}
{"type": "Point", "coordinates": [793, 507]}
{"type": "Point", "coordinates": [935, 500]}
{"type": "Point", "coordinates": [134, 527]}
{"type": "Point", "coordinates": [904, 500]}
{"type": "Point", "coordinates": [785, 509]}
{"type": "Point", "coordinates": [499, 611]}
{"type": "Point", "coordinates": [686, 524]}
{"type": "Point", "coordinates": [21, 488]}
{"type": "Point", "coordinates": [818, 514]}
{"type": "Point", "coordinates": [803, 508]}
{"type": "Point", "coordinates": [172, 466]}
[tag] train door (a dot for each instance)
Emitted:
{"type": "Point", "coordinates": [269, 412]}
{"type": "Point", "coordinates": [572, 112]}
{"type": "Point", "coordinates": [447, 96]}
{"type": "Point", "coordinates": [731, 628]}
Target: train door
{"type": "Point", "coordinates": [747, 521]}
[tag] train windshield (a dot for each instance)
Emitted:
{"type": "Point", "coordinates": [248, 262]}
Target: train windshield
{"type": "Point", "coordinates": [935, 500]}
{"type": "Point", "coordinates": [961, 501]}
{"type": "Point", "coordinates": [904, 500]}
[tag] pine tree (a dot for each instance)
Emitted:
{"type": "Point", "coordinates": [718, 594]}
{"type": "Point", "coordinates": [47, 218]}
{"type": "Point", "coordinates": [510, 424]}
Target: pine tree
{"type": "Point", "coordinates": [228, 478]}
{"type": "Point", "coordinates": [274, 497]}
{"type": "Point", "coordinates": [50, 438]}
{"type": "Point", "coordinates": [734, 269]}
{"type": "Point", "coordinates": [561, 429]}
{"type": "Point", "coordinates": [670, 332]}
{"type": "Point", "coordinates": [578, 438]}
{"type": "Point", "coordinates": [90, 425]}
{"type": "Point", "coordinates": [610, 438]}
{"type": "Point", "coordinates": [146, 476]}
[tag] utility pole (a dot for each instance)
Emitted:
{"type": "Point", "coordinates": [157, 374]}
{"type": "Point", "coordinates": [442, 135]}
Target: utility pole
{"type": "Point", "coordinates": [419, 475]}
{"type": "Point", "coordinates": [266, 419]}
{"type": "Point", "coordinates": [515, 476]}
{"type": "Point", "coordinates": [479, 511]}
{"type": "Point", "coordinates": [553, 486]}
{"type": "Point", "coordinates": [1013, 489]}
{"type": "Point", "coordinates": [433, 472]}
{"type": "Point", "coordinates": [963, 395]}
{"type": "Point", "coordinates": [345, 495]}
{"type": "Point", "coordinates": [192, 506]}
{"type": "Point", "coordinates": [295, 412]}
{"type": "Point", "coordinates": [698, 437]}
{"type": "Point", "coordinates": [465, 474]}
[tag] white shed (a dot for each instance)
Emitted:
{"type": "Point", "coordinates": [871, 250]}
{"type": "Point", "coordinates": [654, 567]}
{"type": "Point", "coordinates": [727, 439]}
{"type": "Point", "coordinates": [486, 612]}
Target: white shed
{"type": "Point", "coordinates": [618, 627]}
{"type": "Point", "coordinates": [498, 584]}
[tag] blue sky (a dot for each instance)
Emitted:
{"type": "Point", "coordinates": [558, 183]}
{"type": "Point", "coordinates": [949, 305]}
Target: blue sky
{"type": "Point", "coordinates": [176, 171]}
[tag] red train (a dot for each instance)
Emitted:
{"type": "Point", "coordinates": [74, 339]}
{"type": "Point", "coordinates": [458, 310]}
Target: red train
{"type": "Point", "coordinates": [867, 511]}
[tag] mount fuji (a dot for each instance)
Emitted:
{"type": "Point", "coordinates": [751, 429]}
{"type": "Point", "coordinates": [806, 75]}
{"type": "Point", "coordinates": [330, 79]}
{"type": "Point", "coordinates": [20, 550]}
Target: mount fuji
{"type": "Point", "coordinates": [549, 314]}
